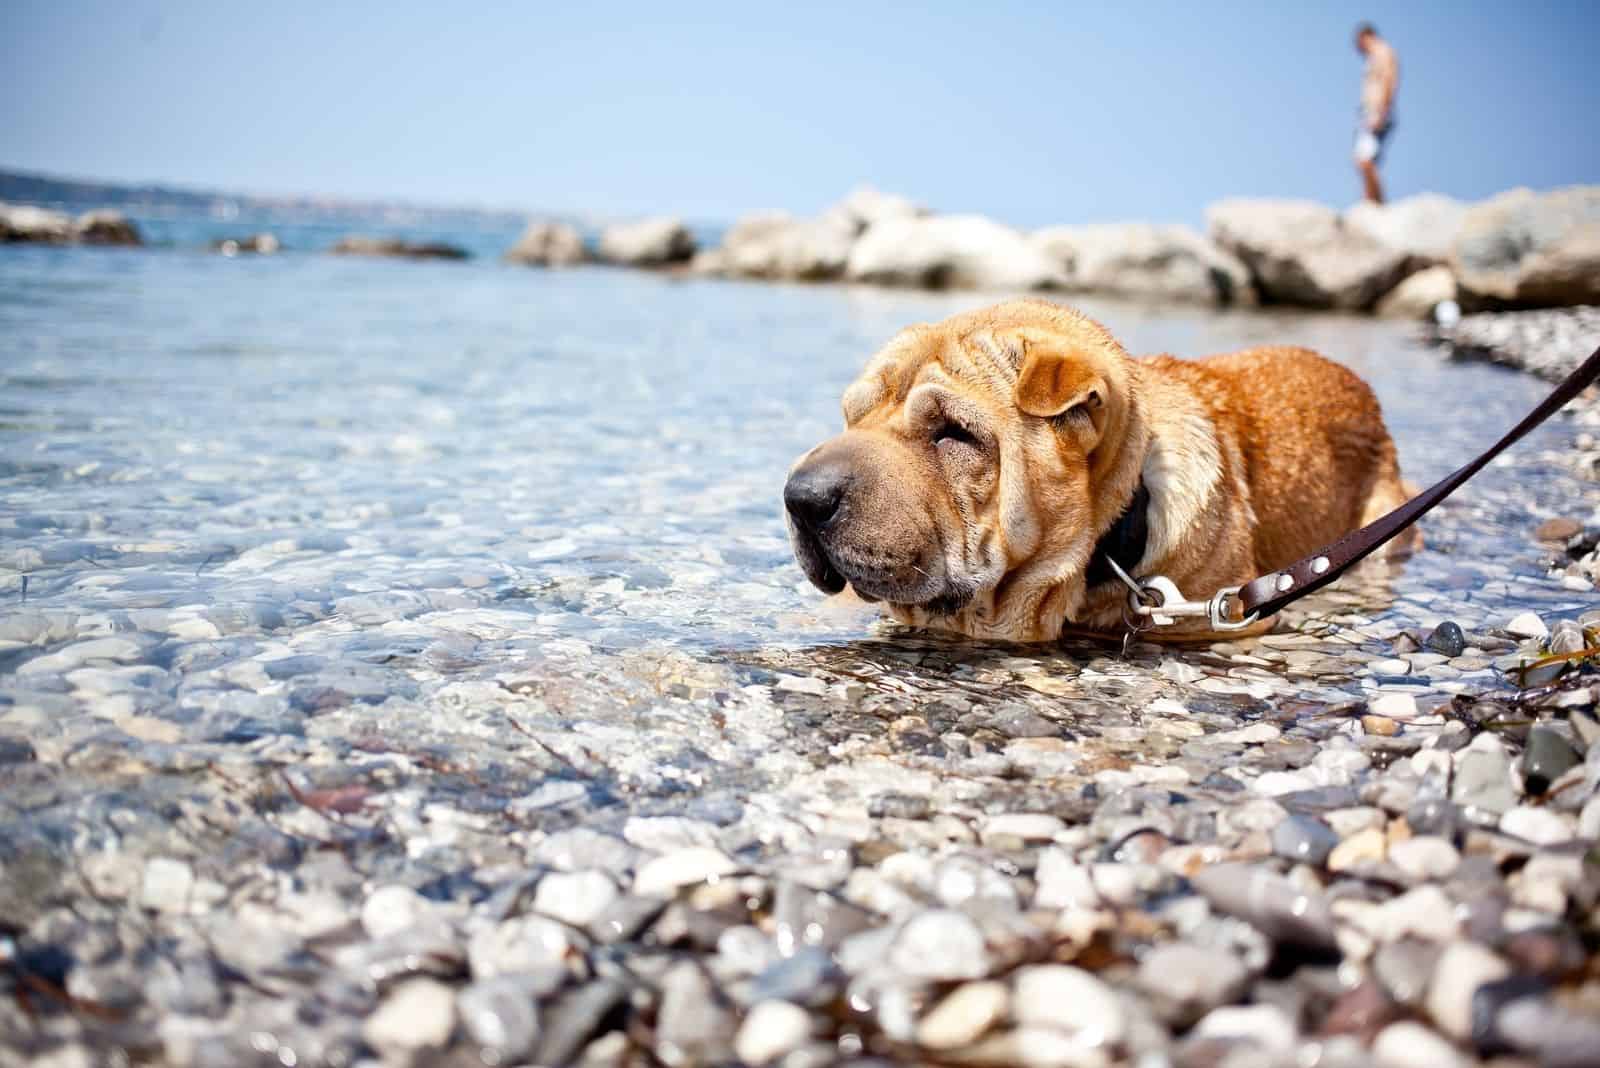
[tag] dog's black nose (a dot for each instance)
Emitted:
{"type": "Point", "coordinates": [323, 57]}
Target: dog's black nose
{"type": "Point", "coordinates": [814, 492]}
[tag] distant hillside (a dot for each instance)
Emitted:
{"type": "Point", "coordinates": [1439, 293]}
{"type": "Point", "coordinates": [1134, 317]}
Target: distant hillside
{"type": "Point", "coordinates": [79, 194]}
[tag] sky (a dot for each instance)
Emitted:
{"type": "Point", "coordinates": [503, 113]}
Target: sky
{"type": "Point", "coordinates": [1032, 113]}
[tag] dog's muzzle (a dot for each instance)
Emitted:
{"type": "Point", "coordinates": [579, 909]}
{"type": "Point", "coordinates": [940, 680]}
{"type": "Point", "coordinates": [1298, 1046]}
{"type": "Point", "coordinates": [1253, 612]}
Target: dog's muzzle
{"type": "Point", "coordinates": [813, 499]}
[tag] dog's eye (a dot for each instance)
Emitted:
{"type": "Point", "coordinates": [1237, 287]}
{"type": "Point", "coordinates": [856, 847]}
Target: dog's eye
{"type": "Point", "coordinates": [954, 433]}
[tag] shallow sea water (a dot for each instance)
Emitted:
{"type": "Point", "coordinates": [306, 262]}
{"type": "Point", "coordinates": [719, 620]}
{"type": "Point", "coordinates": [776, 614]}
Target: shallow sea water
{"type": "Point", "coordinates": [500, 552]}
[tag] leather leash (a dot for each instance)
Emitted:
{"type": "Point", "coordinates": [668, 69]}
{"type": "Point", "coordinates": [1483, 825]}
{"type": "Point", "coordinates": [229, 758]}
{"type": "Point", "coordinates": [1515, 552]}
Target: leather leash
{"type": "Point", "coordinates": [1159, 601]}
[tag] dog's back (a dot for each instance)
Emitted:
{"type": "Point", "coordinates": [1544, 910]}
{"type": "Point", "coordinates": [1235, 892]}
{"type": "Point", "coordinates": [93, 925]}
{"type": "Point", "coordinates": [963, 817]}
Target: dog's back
{"type": "Point", "coordinates": [1318, 459]}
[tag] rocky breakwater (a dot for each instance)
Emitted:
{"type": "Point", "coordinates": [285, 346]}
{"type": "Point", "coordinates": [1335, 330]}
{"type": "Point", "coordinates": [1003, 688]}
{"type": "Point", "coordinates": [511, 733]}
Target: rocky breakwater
{"type": "Point", "coordinates": [779, 246]}
{"type": "Point", "coordinates": [1524, 248]}
{"type": "Point", "coordinates": [659, 242]}
{"type": "Point", "coordinates": [26, 223]}
{"type": "Point", "coordinates": [1403, 259]}
{"type": "Point", "coordinates": [1301, 252]}
{"type": "Point", "coordinates": [395, 248]}
{"type": "Point", "coordinates": [1148, 261]}
{"type": "Point", "coordinates": [548, 244]}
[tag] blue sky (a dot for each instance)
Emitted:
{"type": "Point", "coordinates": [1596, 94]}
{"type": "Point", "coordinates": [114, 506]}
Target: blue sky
{"type": "Point", "coordinates": [1034, 113]}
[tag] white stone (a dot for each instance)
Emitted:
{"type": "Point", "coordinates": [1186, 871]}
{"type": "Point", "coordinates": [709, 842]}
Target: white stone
{"type": "Point", "coordinates": [1264, 1025]}
{"type": "Point", "coordinates": [1061, 882]}
{"type": "Point", "coordinates": [1028, 826]}
{"type": "Point", "coordinates": [419, 1014]}
{"type": "Point", "coordinates": [167, 885]}
{"type": "Point", "coordinates": [1425, 857]}
{"type": "Point", "coordinates": [1540, 826]}
{"type": "Point", "coordinates": [1400, 706]}
{"type": "Point", "coordinates": [390, 909]}
{"type": "Point", "coordinates": [771, 1029]}
{"type": "Point", "coordinates": [1463, 967]}
{"type": "Point", "coordinates": [940, 944]}
{"type": "Point", "coordinates": [663, 876]}
{"type": "Point", "coordinates": [1527, 625]}
{"type": "Point", "coordinates": [1408, 1044]}
{"type": "Point", "coordinates": [1277, 783]}
{"type": "Point", "coordinates": [1254, 734]}
{"type": "Point", "coordinates": [574, 897]}
{"type": "Point", "coordinates": [663, 834]}
{"type": "Point", "coordinates": [1072, 1000]}
{"type": "Point", "coordinates": [956, 251]}
{"type": "Point", "coordinates": [521, 944]}
{"type": "Point", "coordinates": [964, 1015]}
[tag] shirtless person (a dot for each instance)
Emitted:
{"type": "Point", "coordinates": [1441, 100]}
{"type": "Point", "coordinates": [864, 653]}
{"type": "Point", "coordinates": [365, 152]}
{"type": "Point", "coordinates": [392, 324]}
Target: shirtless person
{"type": "Point", "coordinates": [1378, 85]}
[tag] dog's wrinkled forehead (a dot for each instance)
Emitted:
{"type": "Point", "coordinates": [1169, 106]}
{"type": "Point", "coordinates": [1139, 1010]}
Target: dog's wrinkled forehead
{"type": "Point", "coordinates": [983, 358]}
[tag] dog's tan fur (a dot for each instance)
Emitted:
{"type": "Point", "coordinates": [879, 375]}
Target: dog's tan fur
{"type": "Point", "coordinates": [1252, 460]}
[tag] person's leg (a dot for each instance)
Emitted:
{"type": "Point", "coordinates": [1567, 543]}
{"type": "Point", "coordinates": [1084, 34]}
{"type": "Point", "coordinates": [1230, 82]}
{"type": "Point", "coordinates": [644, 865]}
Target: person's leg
{"type": "Point", "coordinates": [1369, 178]}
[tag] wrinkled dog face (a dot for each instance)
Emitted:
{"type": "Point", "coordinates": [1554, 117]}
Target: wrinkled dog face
{"type": "Point", "coordinates": [959, 492]}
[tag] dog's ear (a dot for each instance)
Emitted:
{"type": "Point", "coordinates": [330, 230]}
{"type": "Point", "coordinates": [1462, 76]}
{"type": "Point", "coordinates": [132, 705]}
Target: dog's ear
{"type": "Point", "coordinates": [1056, 380]}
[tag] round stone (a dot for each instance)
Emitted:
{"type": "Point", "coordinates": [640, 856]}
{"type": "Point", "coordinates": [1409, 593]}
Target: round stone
{"type": "Point", "coordinates": [964, 1015]}
{"type": "Point", "coordinates": [1446, 639]}
{"type": "Point", "coordinates": [1408, 1044]}
{"type": "Point", "coordinates": [1304, 839]}
{"type": "Point", "coordinates": [419, 1014]}
{"type": "Point", "coordinates": [940, 944]}
{"type": "Point", "coordinates": [666, 874]}
{"type": "Point", "coordinates": [1072, 1000]}
{"type": "Point", "coordinates": [1463, 967]}
{"type": "Point", "coordinates": [574, 897]}
{"type": "Point", "coordinates": [770, 1030]}
{"type": "Point", "coordinates": [1527, 625]}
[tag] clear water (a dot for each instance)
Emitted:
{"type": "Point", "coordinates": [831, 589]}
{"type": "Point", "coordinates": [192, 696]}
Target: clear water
{"type": "Point", "coordinates": [313, 489]}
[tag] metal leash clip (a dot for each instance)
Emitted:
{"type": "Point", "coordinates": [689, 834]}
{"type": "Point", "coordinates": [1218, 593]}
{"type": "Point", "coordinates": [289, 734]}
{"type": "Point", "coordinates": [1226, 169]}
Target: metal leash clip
{"type": "Point", "coordinates": [1159, 600]}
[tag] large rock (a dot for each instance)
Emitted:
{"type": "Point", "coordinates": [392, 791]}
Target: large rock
{"type": "Point", "coordinates": [958, 251]}
{"type": "Point", "coordinates": [107, 228]}
{"type": "Point", "coordinates": [647, 243]}
{"type": "Point", "coordinates": [780, 246]}
{"type": "Point", "coordinates": [358, 245]}
{"type": "Point", "coordinates": [1299, 252]}
{"type": "Point", "coordinates": [547, 244]}
{"type": "Point", "coordinates": [1419, 294]}
{"type": "Point", "coordinates": [1143, 260]}
{"type": "Point", "coordinates": [24, 222]}
{"type": "Point", "coordinates": [262, 244]}
{"type": "Point", "coordinates": [1533, 249]}
{"type": "Point", "coordinates": [866, 206]}
{"type": "Point", "coordinates": [1424, 226]}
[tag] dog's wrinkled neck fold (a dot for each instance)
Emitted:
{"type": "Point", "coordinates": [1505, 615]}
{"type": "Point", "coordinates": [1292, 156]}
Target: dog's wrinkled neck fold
{"type": "Point", "coordinates": [1124, 542]}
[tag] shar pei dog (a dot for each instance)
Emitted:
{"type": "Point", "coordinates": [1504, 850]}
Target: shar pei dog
{"type": "Point", "coordinates": [993, 463]}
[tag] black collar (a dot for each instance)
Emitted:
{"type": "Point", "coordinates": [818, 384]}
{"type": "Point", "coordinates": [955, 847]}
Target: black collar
{"type": "Point", "coordinates": [1124, 542]}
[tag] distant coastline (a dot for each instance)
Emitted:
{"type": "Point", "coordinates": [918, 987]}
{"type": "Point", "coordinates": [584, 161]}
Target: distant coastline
{"type": "Point", "coordinates": [1425, 256]}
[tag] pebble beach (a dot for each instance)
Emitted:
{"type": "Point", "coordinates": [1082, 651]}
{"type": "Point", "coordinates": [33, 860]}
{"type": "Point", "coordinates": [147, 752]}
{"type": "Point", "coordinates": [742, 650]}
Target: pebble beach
{"type": "Point", "coordinates": [404, 664]}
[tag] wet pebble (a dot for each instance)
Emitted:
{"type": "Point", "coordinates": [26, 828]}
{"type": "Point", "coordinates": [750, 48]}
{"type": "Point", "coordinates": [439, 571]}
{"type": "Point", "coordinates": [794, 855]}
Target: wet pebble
{"type": "Point", "coordinates": [964, 1015]}
{"type": "Point", "coordinates": [1546, 757]}
{"type": "Point", "coordinates": [1408, 1044]}
{"type": "Point", "coordinates": [417, 1015]}
{"type": "Point", "coordinates": [501, 1017]}
{"type": "Point", "coordinates": [1275, 906]}
{"type": "Point", "coordinates": [1527, 625]}
{"type": "Point", "coordinates": [1447, 639]}
{"type": "Point", "coordinates": [1304, 839]}
{"type": "Point", "coordinates": [1185, 981]}
{"type": "Point", "coordinates": [1425, 857]}
{"type": "Point", "coordinates": [770, 1030]}
{"type": "Point", "coordinates": [1462, 968]}
{"type": "Point", "coordinates": [575, 897]}
{"type": "Point", "coordinates": [940, 944]}
{"type": "Point", "coordinates": [1069, 999]}
{"type": "Point", "coordinates": [1540, 826]}
{"type": "Point", "coordinates": [665, 875]}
